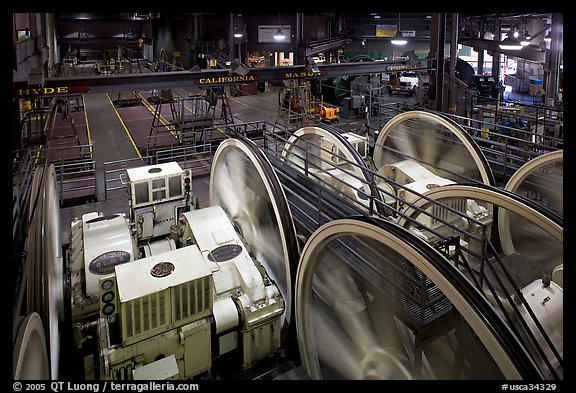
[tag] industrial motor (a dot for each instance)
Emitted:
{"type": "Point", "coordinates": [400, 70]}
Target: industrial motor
{"type": "Point", "coordinates": [170, 315]}
{"type": "Point", "coordinates": [158, 194]}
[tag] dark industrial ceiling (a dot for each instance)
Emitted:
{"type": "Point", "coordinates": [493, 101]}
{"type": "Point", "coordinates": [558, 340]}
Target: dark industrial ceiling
{"type": "Point", "coordinates": [409, 21]}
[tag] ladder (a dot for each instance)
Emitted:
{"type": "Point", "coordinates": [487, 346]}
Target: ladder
{"type": "Point", "coordinates": [159, 122]}
{"type": "Point", "coordinates": [297, 108]}
{"type": "Point", "coordinates": [219, 94]}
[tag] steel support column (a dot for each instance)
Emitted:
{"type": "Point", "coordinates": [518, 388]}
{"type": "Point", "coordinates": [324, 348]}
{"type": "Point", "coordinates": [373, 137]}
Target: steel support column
{"type": "Point", "coordinates": [556, 44]}
{"type": "Point", "coordinates": [437, 38]}
{"type": "Point", "coordinates": [496, 54]}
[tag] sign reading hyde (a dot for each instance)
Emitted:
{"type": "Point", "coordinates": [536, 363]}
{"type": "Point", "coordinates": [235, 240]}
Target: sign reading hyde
{"type": "Point", "coordinates": [44, 91]}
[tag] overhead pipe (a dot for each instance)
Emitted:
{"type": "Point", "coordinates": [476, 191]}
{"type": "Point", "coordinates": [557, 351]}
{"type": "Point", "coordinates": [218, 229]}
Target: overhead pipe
{"type": "Point", "coordinates": [480, 69]}
{"type": "Point", "coordinates": [454, 45]}
{"type": "Point", "coordinates": [452, 100]}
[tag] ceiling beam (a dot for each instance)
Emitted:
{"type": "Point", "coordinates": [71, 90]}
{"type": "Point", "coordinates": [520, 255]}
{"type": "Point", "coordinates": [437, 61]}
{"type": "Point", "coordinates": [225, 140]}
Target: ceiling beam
{"type": "Point", "coordinates": [208, 78]}
{"type": "Point", "coordinates": [492, 46]}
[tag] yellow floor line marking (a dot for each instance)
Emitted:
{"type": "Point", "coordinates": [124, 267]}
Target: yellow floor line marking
{"type": "Point", "coordinates": [124, 125]}
{"type": "Point", "coordinates": [87, 125]}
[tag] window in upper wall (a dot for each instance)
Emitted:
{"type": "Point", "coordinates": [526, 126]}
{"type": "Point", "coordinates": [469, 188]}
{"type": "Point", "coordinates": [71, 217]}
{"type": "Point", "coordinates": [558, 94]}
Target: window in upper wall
{"type": "Point", "coordinates": [23, 34]}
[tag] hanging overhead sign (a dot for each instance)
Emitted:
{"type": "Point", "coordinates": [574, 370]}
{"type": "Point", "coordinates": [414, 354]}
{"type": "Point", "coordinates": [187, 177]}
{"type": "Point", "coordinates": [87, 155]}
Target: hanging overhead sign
{"type": "Point", "coordinates": [386, 30]}
{"type": "Point", "coordinates": [224, 80]}
{"type": "Point", "coordinates": [389, 31]}
{"type": "Point", "coordinates": [408, 33]}
{"type": "Point", "coordinates": [404, 67]}
{"type": "Point", "coordinates": [300, 74]}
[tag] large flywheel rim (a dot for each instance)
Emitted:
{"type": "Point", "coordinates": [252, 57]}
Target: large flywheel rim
{"type": "Point", "coordinates": [360, 170]}
{"type": "Point", "coordinates": [493, 197]}
{"type": "Point", "coordinates": [532, 166]}
{"type": "Point", "coordinates": [275, 192]}
{"type": "Point", "coordinates": [374, 229]}
{"type": "Point", "coordinates": [472, 147]}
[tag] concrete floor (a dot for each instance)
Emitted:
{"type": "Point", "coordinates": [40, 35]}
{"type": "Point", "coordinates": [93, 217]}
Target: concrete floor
{"type": "Point", "coordinates": [119, 133]}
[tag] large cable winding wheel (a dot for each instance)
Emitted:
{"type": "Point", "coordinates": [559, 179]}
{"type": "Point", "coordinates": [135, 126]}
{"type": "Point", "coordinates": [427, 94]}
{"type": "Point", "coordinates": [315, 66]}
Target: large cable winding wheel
{"type": "Point", "coordinates": [525, 255]}
{"type": "Point", "coordinates": [434, 141]}
{"type": "Point", "coordinates": [30, 355]}
{"type": "Point", "coordinates": [541, 179]}
{"type": "Point", "coordinates": [375, 302]}
{"type": "Point", "coordinates": [244, 184]}
{"type": "Point", "coordinates": [44, 277]}
{"type": "Point", "coordinates": [331, 159]}
{"type": "Point", "coordinates": [529, 230]}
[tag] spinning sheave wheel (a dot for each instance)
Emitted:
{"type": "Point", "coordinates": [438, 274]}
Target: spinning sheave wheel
{"type": "Point", "coordinates": [375, 302]}
{"type": "Point", "coordinates": [244, 184]}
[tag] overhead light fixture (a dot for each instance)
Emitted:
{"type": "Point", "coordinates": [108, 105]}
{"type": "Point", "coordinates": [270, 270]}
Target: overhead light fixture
{"type": "Point", "coordinates": [237, 32]}
{"type": "Point", "coordinates": [399, 38]}
{"type": "Point", "coordinates": [524, 36]}
{"type": "Point", "coordinates": [510, 43]}
{"type": "Point", "coordinates": [525, 39]}
{"type": "Point", "coordinates": [279, 35]}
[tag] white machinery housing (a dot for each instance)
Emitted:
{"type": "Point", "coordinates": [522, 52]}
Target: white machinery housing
{"type": "Point", "coordinates": [158, 193]}
{"type": "Point", "coordinates": [98, 243]}
{"type": "Point", "coordinates": [209, 294]}
{"type": "Point", "coordinates": [358, 141]}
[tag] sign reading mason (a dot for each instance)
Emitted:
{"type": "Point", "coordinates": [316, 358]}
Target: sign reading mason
{"type": "Point", "coordinates": [226, 79]}
{"type": "Point", "coordinates": [301, 74]}
{"type": "Point", "coordinates": [46, 91]}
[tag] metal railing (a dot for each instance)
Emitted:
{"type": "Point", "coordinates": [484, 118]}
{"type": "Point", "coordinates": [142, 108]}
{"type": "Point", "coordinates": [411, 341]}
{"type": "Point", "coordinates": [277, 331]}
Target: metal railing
{"type": "Point", "coordinates": [218, 50]}
{"type": "Point", "coordinates": [196, 158]}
